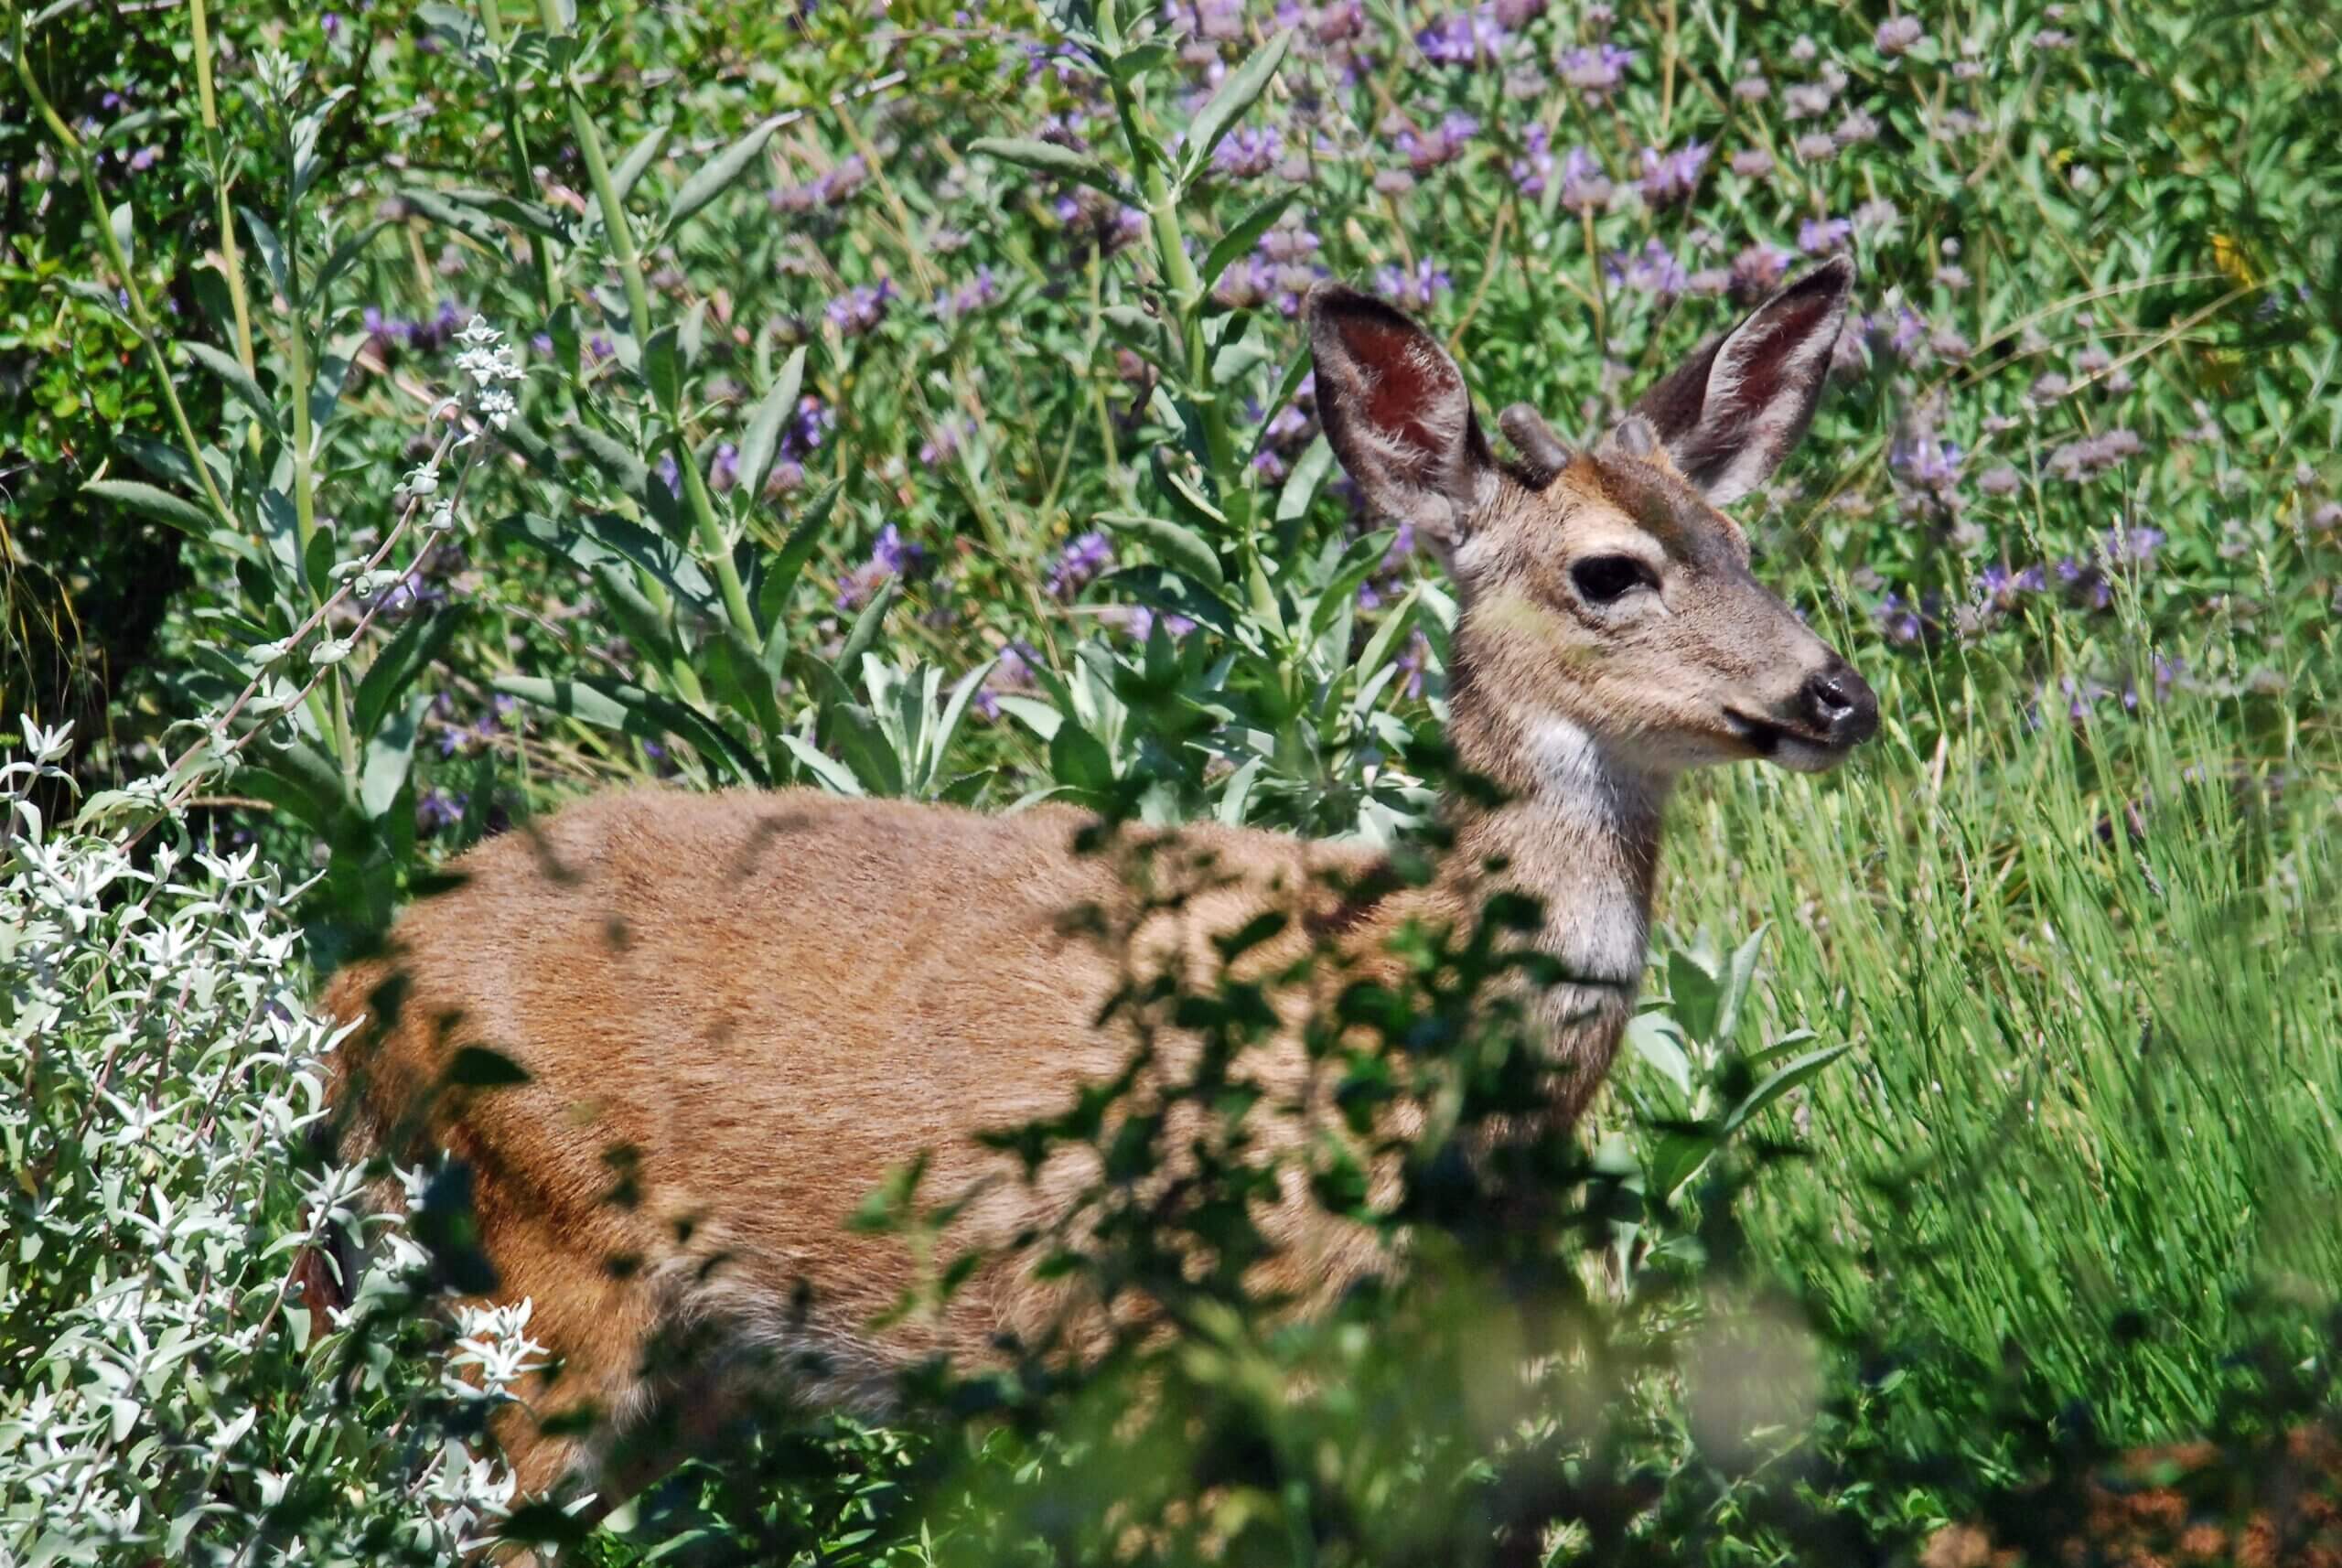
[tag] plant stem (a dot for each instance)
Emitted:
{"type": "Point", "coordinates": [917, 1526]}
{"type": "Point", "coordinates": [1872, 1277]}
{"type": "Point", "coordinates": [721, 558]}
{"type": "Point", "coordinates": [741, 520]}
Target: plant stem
{"type": "Point", "coordinates": [140, 320]}
{"type": "Point", "coordinates": [516, 142]}
{"type": "Point", "coordinates": [230, 257]}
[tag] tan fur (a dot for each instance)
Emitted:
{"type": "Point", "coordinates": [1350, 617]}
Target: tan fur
{"type": "Point", "coordinates": [739, 1012]}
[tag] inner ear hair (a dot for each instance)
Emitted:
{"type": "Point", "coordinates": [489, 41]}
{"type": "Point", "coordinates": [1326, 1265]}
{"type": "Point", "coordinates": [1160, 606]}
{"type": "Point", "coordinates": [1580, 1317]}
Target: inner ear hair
{"type": "Point", "coordinates": [1543, 454]}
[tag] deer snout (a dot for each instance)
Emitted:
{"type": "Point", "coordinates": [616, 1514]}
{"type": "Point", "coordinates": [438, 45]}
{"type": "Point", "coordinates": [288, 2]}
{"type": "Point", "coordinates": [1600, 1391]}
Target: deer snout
{"type": "Point", "coordinates": [1840, 704]}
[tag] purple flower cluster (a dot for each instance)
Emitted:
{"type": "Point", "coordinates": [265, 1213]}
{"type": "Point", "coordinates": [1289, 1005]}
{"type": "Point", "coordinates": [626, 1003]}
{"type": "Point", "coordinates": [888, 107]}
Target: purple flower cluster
{"type": "Point", "coordinates": [832, 188]}
{"type": "Point", "coordinates": [860, 309]}
{"type": "Point", "coordinates": [1083, 559]}
{"type": "Point", "coordinates": [891, 557]}
{"type": "Point", "coordinates": [982, 290]}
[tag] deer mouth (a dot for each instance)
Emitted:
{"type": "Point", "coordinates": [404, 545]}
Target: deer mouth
{"type": "Point", "coordinates": [1779, 742]}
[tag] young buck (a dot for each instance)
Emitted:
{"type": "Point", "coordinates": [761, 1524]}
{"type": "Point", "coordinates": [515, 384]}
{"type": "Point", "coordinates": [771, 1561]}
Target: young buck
{"type": "Point", "coordinates": [737, 1012]}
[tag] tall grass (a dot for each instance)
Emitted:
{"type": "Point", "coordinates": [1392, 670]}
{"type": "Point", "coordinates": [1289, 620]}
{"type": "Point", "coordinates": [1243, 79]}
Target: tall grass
{"type": "Point", "coordinates": [2089, 969]}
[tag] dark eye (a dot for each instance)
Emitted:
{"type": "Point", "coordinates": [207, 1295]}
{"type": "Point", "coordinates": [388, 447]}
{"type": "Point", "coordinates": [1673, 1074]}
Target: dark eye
{"type": "Point", "coordinates": [1606, 579]}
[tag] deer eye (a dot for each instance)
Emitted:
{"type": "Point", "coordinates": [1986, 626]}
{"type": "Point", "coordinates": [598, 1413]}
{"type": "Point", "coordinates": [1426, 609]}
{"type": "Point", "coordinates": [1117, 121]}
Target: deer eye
{"type": "Point", "coordinates": [1606, 579]}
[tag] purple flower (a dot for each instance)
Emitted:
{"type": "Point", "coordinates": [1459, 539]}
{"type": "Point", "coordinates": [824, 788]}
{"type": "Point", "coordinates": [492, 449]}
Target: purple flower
{"type": "Point", "coordinates": [891, 556]}
{"type": "Point", "coordinates": [1535, 164]}
{"type": "Point", "coordinates": [1140, 621]}
{"type": "Point", "coordinates": [1815, 147]}
{"type": "Point", "coordinates": [1759, 270]}
{"type": "Point", "coordinates": [984, 289]}
{"type": "Point", "coordinates": [2000, 481]}
{"type": "Point", "coordinates": [1082, 559]}
{"type": "Point", "coordinates": [1585, 187]}
{"type": "Point", "coordinates": [1819, 236]}
{"type": "Point", "coordinates": [2129, 546]}
{"type": "Point", "coordinates": [1012, 673]}
{"type": "Point", "coordinates": [1672, 176]}
{"type": "Point", "coordinates": [1752, 163]}
{"type": "Point", "coordinates": [1596, 72]}
{"type": "Point", "coordinates": [1463, 38]}
{"type": "Point", "coordinates": [1900, 621]}
{"type": "Point", "coordinates": [723, 473]}
{"type": "Point", "coordinates": [1898, 34]}
{"type": "Point", "coordinates": [860, 309]}
{"type": "Point", "coordinates": [435, 808]}
{"type": "Point", "coordinates": [949, 432]}
{"type": "Point", "coordinates": [1248, 151]}
{"type": "Point", "coordinates": [330, 23]}
{"type": "Point", "coordinates": [1416, 291]}
{"type": "Point", "coordinates": [1652, 271]}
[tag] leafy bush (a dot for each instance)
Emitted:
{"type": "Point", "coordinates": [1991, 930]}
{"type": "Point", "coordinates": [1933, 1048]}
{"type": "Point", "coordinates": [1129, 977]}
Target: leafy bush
{"type": "Point", "coordinates": [166, 1399]}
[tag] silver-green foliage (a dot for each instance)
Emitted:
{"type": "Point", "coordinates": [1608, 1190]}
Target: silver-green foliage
{"type": "Point", "coordinates": [164, 1397]}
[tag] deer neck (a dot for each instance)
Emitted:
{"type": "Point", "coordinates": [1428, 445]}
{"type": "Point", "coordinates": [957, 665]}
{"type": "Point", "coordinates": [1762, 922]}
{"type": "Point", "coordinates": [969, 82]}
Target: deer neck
{"type": "Point", "coordinates": [1578, 830]}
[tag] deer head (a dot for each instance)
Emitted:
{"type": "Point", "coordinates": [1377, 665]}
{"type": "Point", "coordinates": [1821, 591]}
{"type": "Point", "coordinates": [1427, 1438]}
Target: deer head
{"type": "Point", "coordinates": [1608, 602]}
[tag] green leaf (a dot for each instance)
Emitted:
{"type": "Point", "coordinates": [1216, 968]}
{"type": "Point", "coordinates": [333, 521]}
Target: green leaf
{"type": "Point", "coordinates": [344, 254]}
{"type": "Point", "coordinates": [1238, 93]}
{"type": "Point", "coordinates": [1693, 995]}
{"type": "Point", "coordinates": [864, 631]}
{"type": "Point", "coordinates": [239, 381]}
{"type": "Point", "coordinates": [271, 248]}
{"type": "Point", "coordinates": [1358, 563]}
{"type": "Point", "coordinates": [708, 181]}
{"type": "Point", "coordinates": [663, 370]}
{"type": "Point", "coordinates": [408, 654]}
{"type": "Point", "coordinates": [1179, 547]}
{"type": "Point", "coordinates": [390, 759]}
{"type": "Point", "coordinates": [834, 775]}
{"type": "Point", "coordinates": [1033, 714]}
{"type": "Point", "coordinates": [1309, 473]}
{"type": "Point", "coordinates": [534, 216]}
{"type": "Point", "coordinates": [463, 220]}
{"type": "Point", "coordinates": [161, 505]}
{"type": "Point", "coordinates": [761, 444]}
{"type": "Point", "coordinates": [1737, 976]}
{"type": "Point", "coordinates": [1244, 236]}
{"type": "Point", "coordinates": [1080, 758]}
{"type": "Point", "coordinates": [600, 539]}
{"type": "Point", "coordinates": [780, 576]}
{"type": "Point", "coordinates": [1050, 158]}
{"type": "Point", "coordinates": [1654, 1037]}
{"type": "Point", "coordinates": [637, 161]}
{"type": "Point", "coordinates": [1797, 1071]}
{"type": "Point", "coordinates": [631, 710]}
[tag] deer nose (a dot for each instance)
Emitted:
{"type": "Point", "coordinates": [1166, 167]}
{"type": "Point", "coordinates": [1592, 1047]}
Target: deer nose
{"type": "Point", "coordinates": [1840, 705]}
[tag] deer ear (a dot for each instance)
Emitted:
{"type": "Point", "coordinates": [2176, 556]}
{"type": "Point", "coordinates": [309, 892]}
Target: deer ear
{"type": "Point", "coordinates": [1397, 413]}
{"type": "Point", "coordinates": [1731, 413]}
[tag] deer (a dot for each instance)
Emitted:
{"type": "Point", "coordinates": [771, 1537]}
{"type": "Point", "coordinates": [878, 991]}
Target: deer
{"type": "Point", "coordinates": [745, 1007]}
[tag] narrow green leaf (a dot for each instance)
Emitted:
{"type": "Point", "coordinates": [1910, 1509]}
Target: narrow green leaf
{"type": "Point", "coordinates": [662, 369]}
{"type": "Point", "coordinates": [834, 775]}
{"type": "Point", "coordinates": [647, 715]}
{"type": "Point", "coordinates": [406, 655]}
{"type": "Point", "coordinates": [708, 181]}
{"type": "Point", "coordinates": [1357, 564]}
{"type": "Point", "coordinates": [637, 160]}
{"type": "Point", "coordinates": [271, 248]}
{"type": "Point", "coordinates": [1179, 547]}
{"type": "Point", "coordinates": [1244, 236]}
{"type": "Point", "coordinates": [161, 505]}
{"type": "Point", "coordinates": [1795, 1071]}
{"type": "Point", "coordinates": [463, 220]}
{"type": "Point", "coordinates": [1243, 87]}
{"type": "Point", "coordinates": [761, 444]}
{"type": "Point", "coordinates": [390, 758]}
{"type": "Point", "coordinates": [1050, 158]}
{"type": "Point", "coordinates": [238, 381]}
